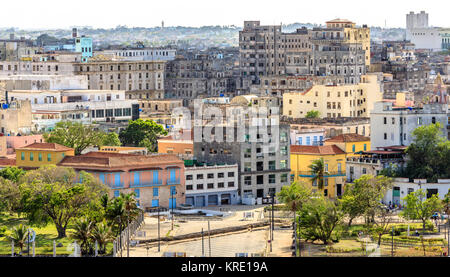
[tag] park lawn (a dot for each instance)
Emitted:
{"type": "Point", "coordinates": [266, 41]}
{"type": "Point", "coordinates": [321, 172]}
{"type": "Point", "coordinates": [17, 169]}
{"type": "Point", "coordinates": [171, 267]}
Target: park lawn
{"type": "Point", "coordinates": [44, 238]}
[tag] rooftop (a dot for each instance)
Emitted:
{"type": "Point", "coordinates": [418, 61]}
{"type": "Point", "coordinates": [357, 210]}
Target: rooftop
{"type": "Point", "coordinates": [321, 150]}
{"type": "Point", "coordinates": [348, 138]}
{"type": "Point", "coordinates": [117, 161]}
{"type": "Point", "coordinates": [39, 146]}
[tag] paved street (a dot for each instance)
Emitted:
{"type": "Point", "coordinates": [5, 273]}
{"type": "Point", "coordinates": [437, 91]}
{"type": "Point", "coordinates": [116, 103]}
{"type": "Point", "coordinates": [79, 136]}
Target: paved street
{"type": "Point", "coordinates": [221, 246]}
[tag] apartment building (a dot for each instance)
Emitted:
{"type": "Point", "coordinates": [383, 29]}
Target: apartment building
{"type": "Point", "coordinates": [86, 106]}
{"type": "Point", "coordinates": [211, 184]}
{"type": "Point", "coordinates": [140, 79]}
{"type": "Point", "coordinates": [37, 154]}
{"type": "Point", "coordinates": [139, 54]}
{"type": "Point", "coordinates": [263, 167]}
{"type": "Point", "coordinates": [334, 100]}
{"type": "Point", "coordinates": [392, 125]}
{"type": "Point", "coordinates": [15, 117]}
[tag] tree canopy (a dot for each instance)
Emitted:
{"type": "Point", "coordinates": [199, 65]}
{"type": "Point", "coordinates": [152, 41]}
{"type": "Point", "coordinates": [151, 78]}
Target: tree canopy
{"type": "Point", "coordinates": [313, 114]}
{"type": "Point", "coordinates": [142, 133]}
{"type": "Point", "coordinates": [418, 207]}
{"type": "Point", "coordinates": [54, 194]}
{"type": "Point", "coordinates": [428, 154]}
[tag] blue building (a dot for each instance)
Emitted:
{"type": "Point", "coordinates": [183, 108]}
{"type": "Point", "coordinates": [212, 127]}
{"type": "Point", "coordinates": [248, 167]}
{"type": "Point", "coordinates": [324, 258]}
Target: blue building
{"type": "Point", "coordinates": [84, 46]}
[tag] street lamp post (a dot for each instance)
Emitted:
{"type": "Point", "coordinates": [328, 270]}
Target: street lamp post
{"type": "Point", "coordinates": [159, 238]}
{"type": "Point", "coordinates": [273, 221]}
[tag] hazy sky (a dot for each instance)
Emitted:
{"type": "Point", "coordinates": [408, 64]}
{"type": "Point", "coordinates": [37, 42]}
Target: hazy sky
{"type": "Point", "coordinates": [31, 14]}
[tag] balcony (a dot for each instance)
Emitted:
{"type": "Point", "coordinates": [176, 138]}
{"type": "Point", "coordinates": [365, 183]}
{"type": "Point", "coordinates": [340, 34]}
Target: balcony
{"type": "Point", "coordinates": [330, 174]}
{"type": "Point", "coordinates": [173, 181]}
{"type": "Point", "coordinates": [146, 184]}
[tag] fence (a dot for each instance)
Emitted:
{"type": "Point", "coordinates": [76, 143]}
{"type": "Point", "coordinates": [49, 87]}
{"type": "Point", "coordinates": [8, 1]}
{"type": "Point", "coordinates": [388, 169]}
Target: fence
{"type": "Point", "coordinates": [123, 240]}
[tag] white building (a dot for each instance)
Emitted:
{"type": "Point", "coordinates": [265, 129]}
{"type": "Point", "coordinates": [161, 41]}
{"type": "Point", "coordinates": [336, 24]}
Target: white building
{"type": "Point", "coordinates": [394, 126]}
{"type": "Point", "coordinates": [86, 106]}
{"type": "Point", "coordinates": [44, 82]}
{"type": "Point", "coordinates": [403, 187]}
{"type": "Point", "coordinates": [208, 185]}
{"type": "Point", "coordinates": [307, 136]}
{"type": "Point", "coordinates": [426, 38]}
{"type": "Point", "coordinates": [140, 54]}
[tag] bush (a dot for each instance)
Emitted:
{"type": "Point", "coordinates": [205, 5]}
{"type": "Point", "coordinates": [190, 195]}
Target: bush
{"type": "Point", "coordinates": [2, 231]}
{"type": "Point", "coordinates": [332, 249]}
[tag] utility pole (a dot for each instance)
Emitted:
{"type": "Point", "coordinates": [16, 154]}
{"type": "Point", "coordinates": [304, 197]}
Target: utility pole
{"type": "Point", "coordinates": [273, 219]}
{"type": "Point", "coordinates": [448, 237]}
{"type": "Point", "coordinates": [209, 239]}
{"type": "Point", "coordinates": [128, 235]}
{"type": "Point", "coordinates": [159, 239]}
{"type": "Point", "coordinates": [392, 245]}
{"type": "Point", "coordinates": [295, 233]}
{"type": "Point", "coordinates": [203, 246]}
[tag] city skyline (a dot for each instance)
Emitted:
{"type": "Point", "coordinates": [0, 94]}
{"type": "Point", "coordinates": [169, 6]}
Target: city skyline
{"type": "Point", "coordinates": [204, 13]}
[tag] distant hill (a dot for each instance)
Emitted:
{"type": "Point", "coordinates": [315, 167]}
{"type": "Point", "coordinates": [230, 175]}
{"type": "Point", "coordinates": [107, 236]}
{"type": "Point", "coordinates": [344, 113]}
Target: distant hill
{"type": "Point", "coordinates": [197, 37]}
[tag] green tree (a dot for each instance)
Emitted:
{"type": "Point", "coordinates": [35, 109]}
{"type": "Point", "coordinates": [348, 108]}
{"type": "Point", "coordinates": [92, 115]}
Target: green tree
{"type": "Point", "coordinates": [318, 169]}
{"type": "Point", "coordinates": [19, 235]}
{"type": "Point", "coordinates": [111, 139]}
{"type": "Point", "coordinates": [12, 173]}
{"type": "Point", "coordinates": [75, 135]}
{"type": "Point", "coordinates": [313, 114]}
{"type": "Point", "coordinates": [294, 196]}
{"type": "Point", "coordinates": [380, 225]}
{"type": "Point", "coordinates": [417, 208]}
{"type": "Point", "coordinates": [83, 234]}
{"type": "Point", "coordinates": [54, 194]}
{"type": "Point", "coordinates": [9, 196]}
{"type": "Point", "coordinates": [143, 133]}
{"type": "Point", "coordinates": [319, 218]}
{"type": "Point", "coordinates": [428, 154]}
{"type": "Point", "coordinates": [102, 234]}
{"type": "Point", "coordinates": [363, 197]}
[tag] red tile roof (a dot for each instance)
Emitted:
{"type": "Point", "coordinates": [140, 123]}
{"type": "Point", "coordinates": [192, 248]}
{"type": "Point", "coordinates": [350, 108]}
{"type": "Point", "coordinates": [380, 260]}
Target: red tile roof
{"type": "Point", "coordinates": [7, 162]}
{"type": "Point", "coordinates": [348, 138]}
{"type": "Point", "coordinates": [45, 146]}
{"type": "Point", "coordinates": [118, 161]}
{"type": "Point", "coordinates": [316, 150]}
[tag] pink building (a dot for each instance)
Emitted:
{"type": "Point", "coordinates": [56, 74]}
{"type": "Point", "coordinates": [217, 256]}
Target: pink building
{"type": "Point", "coordinates": [13, 142]}
{"type": "Point", "coordinates": [157, 180]}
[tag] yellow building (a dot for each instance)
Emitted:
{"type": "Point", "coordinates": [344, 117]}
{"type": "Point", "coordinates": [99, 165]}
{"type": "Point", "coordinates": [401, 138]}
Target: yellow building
{"type": "Point", "coordinates": [349, 100]}
{"type": "Point", "coordinates": [38, 154]}
{"type": "Point", "coordinates": [353, 34]}
{"type": "Point", "coordinates": [352, 144]}
{"type": "Point", "coordinates": [302, 157]}
{"type": "Point", "coordinates": [124, 150]}
{"type": "Point", "coordinates": [334, 153]}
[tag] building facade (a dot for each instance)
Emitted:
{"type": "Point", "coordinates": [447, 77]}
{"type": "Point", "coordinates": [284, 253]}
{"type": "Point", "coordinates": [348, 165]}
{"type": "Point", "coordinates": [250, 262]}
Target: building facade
{"type": "Point", "coordinates": [211, 185]}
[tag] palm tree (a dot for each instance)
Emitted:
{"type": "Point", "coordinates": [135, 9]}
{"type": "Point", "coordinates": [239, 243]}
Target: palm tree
{"type": "Point", "coordinates": [102, 234]}
{"type": "Point", "coordinates": [83, 234]}
{"type": "Point", "coordinates": [318, 169]}
{"type": "Point", "coordinates": [116, 215]}
{"type": "Point", "coordinates": [130, 205]}
{"type": "Point", "coordinates": [294, 196]}
{"type": "Point", "coordinates": [19, 235]}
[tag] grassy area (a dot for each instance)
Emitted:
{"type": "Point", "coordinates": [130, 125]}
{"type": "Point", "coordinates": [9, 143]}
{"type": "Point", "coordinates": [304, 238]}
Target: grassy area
{"type": "Point", "coordinates": [44, 238]}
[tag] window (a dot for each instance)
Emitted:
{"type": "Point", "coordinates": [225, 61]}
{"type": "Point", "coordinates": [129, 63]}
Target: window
{"type": "Point", "coordinates": [199, 176]}
{"type": "Point", "coordinates": [364, 171]}
{"type": "Point", "coordinates": [247, 166]}
{"type": "Point", "coordinates": [199, 186]}
{"type": "Point", "coordinates": [22, 156]}
{"type": "Point", "coordinates": [221, 185]}
{"type": "Point", "coordinates": [188, 187]}
{"type": "Point", "coordinates": [230, 174]}
{"type": "Point", "coordinates": [248, 180]}
{"type": "Point", "coordinates": [137, 193]}
{"type": "Point", "coordinates": [40, 157]}
{"type": "Point", "coordinates": [272, 165]}
{"type": "Point", "coordinates": [272, 179]}
{"type": "Point", "coordinates": [220, 175]}
{"type": "Point", "coordinates": [210, 175]}
{"type": "Point", "coordinates": [365, 147]}
{"type": "Point", "coordinates": [31, 156]}
{"type": "Point", "coordinates": [353, 148]}
{"type": "Point", "coordinates": [260, 179]}
{"type": "Point", "coordinates": [210, 186]}
{"type": "Point", "coordinates": [283, 164]}
{"type": "Point", "coordinates": [230, 184]}
{"type": "Point", "coordinates": [283, 177]}
{"type": "Point", "coordinates": [189, 177]}
{"type": "Point", "coordinates": [385, 120]}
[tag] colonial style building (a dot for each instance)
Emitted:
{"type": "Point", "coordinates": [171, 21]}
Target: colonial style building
{"type": "Point", "coordinates": [157, 180]}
